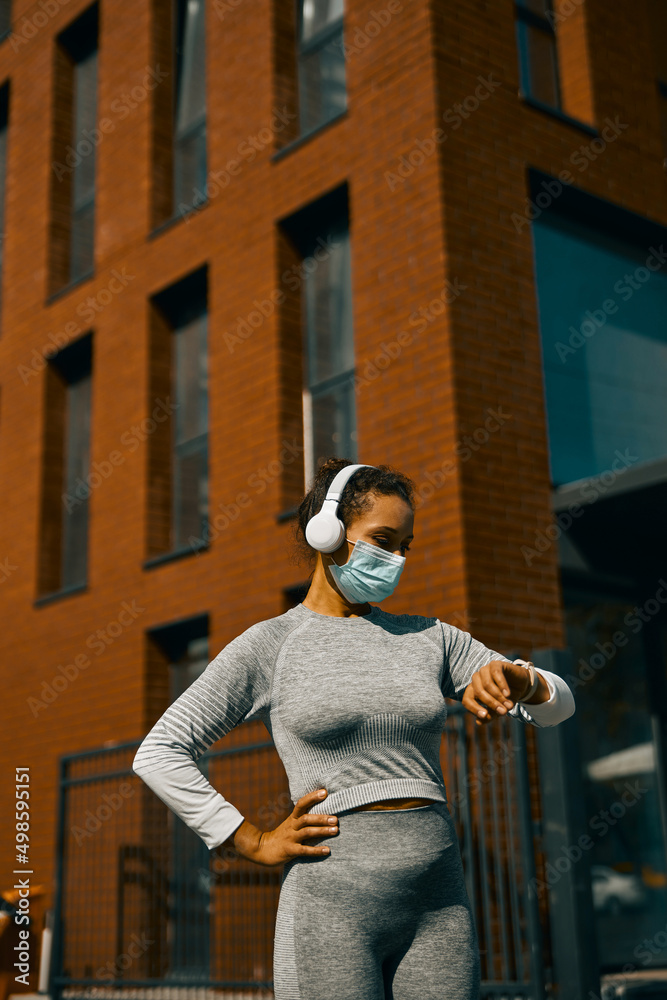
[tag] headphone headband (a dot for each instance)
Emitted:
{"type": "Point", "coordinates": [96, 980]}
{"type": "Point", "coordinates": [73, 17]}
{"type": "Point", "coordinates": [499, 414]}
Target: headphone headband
{"type": "Point", "coordinates": [339, 481]}
{"type": "Point", "coordinates": [325, 531]}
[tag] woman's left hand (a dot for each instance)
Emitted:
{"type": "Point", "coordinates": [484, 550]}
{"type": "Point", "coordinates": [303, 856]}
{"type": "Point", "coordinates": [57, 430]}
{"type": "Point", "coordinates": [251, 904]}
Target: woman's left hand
{"type": "Point", "coordinates": [494, 689]}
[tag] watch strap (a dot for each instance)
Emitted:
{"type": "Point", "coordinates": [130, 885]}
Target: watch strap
{"type": "Point", "coordinates": [534, 680]}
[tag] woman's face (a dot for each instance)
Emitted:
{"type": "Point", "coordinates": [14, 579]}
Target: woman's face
{"type": "Point", "coordinates": [389, 525]}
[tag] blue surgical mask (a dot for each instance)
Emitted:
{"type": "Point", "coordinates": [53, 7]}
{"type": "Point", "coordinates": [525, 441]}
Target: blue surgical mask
{"type": "Point", "coordinates": [370, 574]}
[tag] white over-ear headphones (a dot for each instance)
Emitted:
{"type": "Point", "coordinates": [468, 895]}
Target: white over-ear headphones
{"type": "Point", "coordinates": [325, 531]}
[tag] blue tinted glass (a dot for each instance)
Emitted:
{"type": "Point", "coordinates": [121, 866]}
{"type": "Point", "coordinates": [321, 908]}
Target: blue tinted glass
{"type": "Point", "coordinates": [603, 322]}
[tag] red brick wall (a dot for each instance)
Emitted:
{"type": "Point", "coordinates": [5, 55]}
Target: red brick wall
{"type": "Point", "coordinates": [448, 220]}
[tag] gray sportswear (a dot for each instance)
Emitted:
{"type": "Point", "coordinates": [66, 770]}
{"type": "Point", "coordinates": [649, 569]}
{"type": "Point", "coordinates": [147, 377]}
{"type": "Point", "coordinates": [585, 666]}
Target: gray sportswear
{"type": "Point", "coordinates": [353, 705]}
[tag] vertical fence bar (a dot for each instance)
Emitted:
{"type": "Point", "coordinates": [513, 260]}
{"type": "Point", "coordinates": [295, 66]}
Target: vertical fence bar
{"type": "Point", "coordinates": [55, 971]}
{"type": "Point", "coordinates": [533, 926]}
{"type": "Point", "coordinates": [513, 867]}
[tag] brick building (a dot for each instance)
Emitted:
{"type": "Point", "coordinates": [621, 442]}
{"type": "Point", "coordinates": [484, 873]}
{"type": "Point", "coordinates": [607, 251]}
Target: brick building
{"type": "Point", "coordinates": [243, 235]}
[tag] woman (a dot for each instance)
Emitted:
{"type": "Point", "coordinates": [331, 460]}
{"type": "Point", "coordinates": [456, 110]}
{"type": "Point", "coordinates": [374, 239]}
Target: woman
{"type": "Point", "coordinates": [373, 902]}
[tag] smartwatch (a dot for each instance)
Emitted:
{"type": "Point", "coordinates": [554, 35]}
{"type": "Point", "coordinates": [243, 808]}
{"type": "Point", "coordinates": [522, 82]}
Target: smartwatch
{"type": "Point", "coordinates": [534, 680]}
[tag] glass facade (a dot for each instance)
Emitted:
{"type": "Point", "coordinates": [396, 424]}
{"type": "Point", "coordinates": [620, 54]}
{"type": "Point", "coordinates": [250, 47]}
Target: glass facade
{"type": "Point", "coordinates": [602, 304]}
{"type": "Point", "coordinates": [603, 322]}
{"type": "Point", "coordinates": [617, 744]}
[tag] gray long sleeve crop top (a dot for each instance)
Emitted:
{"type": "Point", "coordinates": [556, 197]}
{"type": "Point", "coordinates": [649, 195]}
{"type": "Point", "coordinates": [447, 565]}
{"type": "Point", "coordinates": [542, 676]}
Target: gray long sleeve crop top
{"type": "Point", "coordinates": [353, 705]}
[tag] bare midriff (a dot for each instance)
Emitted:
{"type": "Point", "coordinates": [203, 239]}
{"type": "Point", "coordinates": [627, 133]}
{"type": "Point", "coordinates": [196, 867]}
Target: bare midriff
{"type": "Point", "coordinates": [394, 804]}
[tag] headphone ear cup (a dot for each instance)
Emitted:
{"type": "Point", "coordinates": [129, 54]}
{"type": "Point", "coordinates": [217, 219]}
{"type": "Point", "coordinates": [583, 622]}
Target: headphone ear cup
{"type": "Point", "coordinates": [325, 531]}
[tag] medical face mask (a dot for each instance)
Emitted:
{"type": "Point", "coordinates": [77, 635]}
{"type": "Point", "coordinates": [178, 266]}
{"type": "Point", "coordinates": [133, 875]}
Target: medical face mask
{"type": "Point", "coordinates": [370, 574]}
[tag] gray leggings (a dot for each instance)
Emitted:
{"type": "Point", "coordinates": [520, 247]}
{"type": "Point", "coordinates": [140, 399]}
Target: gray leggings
{"type": "Point", "coordinates": [384, 916]}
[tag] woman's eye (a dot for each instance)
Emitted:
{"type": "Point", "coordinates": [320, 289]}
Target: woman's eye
{"type": "Point", "coordinates": [380, 538]}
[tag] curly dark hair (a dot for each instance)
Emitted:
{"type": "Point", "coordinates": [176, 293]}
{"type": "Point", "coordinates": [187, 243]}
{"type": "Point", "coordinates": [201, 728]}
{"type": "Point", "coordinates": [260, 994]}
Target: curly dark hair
{"type": "Point", "coordinates": [356, 498]}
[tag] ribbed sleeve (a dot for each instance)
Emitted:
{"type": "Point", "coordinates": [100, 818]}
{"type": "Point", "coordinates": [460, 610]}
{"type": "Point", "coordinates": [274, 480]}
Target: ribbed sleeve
{"type": "Point", "coordinates": [464, 655]}
{"type": "Point", "coordinates": [233, 688]}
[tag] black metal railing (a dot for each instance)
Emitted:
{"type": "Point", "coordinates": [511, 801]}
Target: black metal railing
{"type": "Point", "coordinates": [143, 906]}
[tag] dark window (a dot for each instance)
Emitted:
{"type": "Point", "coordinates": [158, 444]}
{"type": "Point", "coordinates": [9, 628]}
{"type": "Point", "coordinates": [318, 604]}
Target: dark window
{"type": "Point", "coordinates": [179, 450]}
{"type": "Point", "coordinates": [190, 103]}
{"type": "Point", "coordinates": [538, 57]}
{"type": "Point", "coordinates": [321, 234]}
{"type": "Point", "coordinates": [66, 485]}
{"type": "Point", "coordinates": [4, 119]}
{"type": "Point", "coordinates": [178, 655]}
{"type": "Point", "coordinates": [662, 97]}
{"type": "Point", "coordinates": [178, 114]}
{"type": "Point", "coordinates": [5, 18]}
{"type": "Point", "coordinates": [321, 62]}
{"type": "Point", "coordinates": [74, 151]}
{"type": "Point", "coordinates": [83, 178]}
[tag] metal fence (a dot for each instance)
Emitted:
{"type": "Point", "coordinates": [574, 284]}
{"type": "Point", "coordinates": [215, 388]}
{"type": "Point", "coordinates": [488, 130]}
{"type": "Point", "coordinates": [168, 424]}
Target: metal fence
{"type": "Point", "coordinates": [144, 909]}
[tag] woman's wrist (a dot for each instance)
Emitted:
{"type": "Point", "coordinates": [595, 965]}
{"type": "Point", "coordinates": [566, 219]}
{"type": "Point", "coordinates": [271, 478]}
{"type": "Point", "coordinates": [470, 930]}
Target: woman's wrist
{"type": "Point", "coordinates": [532, 682]}
{"type": "Point", "coordinates": [245, 840]}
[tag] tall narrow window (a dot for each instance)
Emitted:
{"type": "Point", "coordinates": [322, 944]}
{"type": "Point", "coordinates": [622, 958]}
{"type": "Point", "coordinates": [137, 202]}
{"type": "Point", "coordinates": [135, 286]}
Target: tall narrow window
{"type": "Point", "coordinates": [179, 108]}
{"type": "Point", "coordinates": [190, 110]}
{"type": "Point", "coordinates": [4, 120]}
{"type": "Point", "coordinates": [321, 58]}
{"type": "Point", "coordinates": [178, 654]}
{"type": "Point", "coordinates": [321, 234]}
{"type": "Point", "coordinates": [5, 18]}
{"type": "Point", "coordinates": [66, 488]}
{"type": "Point", "coordinates": [178, 453]}
{"type": "Point", "coordinates": [73, 166]}
{"type": "Point", "coordinates": [538, 57]}
{"type": "Point", "coordinates": [662, 97]}
{"type": "Point", "coordinates": [657, 28]}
